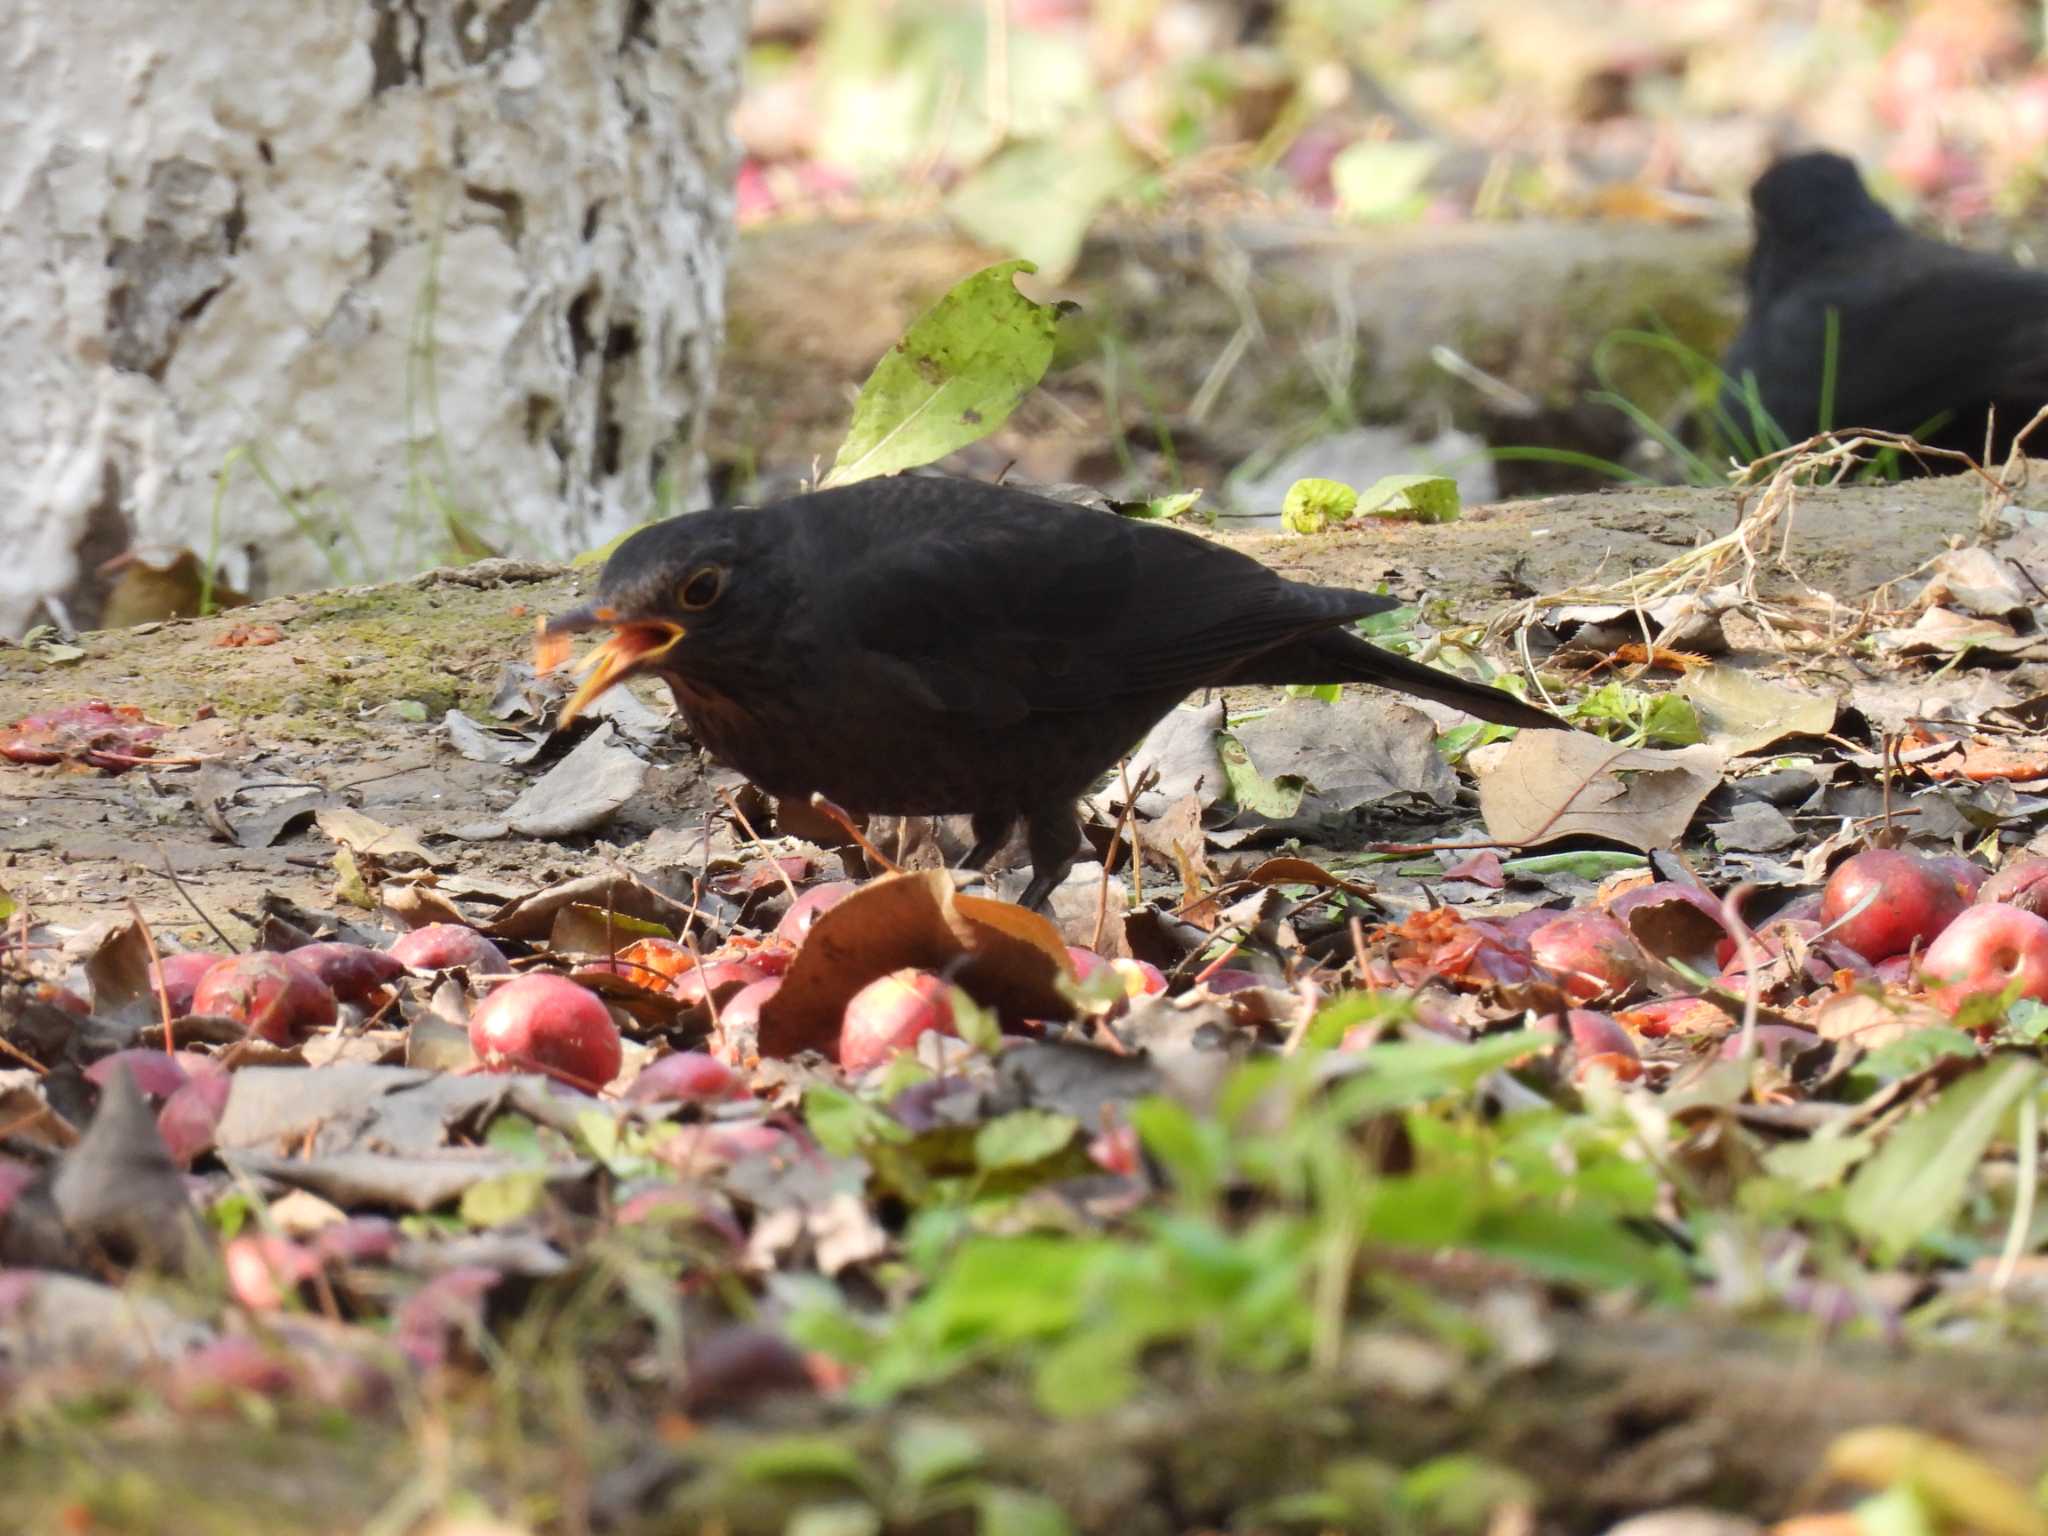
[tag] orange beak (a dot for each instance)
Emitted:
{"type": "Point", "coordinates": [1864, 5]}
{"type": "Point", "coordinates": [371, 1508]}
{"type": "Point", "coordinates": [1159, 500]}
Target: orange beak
{"type": "Point", "coordinates": [632, 646]}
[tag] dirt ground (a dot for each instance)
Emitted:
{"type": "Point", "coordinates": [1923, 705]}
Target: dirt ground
{"type": "Point", "coordinates": [348, 700]}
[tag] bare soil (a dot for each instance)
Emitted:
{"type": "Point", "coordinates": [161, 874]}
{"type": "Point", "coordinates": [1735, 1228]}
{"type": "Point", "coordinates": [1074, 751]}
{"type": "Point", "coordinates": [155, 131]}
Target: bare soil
{"type": "Point", "coordinates": [349, 700]}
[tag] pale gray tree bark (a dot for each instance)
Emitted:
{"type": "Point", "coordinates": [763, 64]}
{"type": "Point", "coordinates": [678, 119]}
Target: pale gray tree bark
{"type": "Point", "coordinates": [394, 272]}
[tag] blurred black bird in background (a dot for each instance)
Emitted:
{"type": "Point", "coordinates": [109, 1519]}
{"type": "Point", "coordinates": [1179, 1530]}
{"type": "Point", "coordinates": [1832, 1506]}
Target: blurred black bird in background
{"type": "Point", "coordinates": [1929, 339]}
{"type": "Point", "coordinates": [929, 646]}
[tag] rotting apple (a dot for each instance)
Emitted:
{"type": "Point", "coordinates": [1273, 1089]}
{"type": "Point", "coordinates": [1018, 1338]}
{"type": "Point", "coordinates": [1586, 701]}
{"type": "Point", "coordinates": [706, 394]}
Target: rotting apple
{"type": "Point", "coordinates": [1590, 954]}
{"type": "Point", "coordinates": [1883, 901]}
{"type": "Point", "coordinates": [889, 1014]}
{"type": "Point", "coordinates": [353, 972]}
{"type": "Point", "coordinates": [440, 946]}
{"type": "Point", "coordinates": [269, 995]}
{"type": "Point", "coordinates": [2022, 884]}
{"type": "Point", "coordinates": [1987, 949]}
{"type": "Point", "coordinates": [1599, 1042]}
{"type": "Point", "coordinates": [546, 1023]}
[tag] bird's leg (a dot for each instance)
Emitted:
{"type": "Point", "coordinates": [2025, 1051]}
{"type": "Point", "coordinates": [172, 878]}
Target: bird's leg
{"type": "Point", "coordinates": [991, 831]}
{"type": "Point", "coordinates": [1053, 834]}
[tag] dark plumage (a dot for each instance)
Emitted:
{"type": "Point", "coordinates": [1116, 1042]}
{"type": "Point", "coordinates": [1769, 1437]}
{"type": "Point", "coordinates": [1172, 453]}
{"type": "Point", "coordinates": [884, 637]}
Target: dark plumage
{"type": "Point", "coordinates": [930, 646]}
{"type": "Point", "coordinates": [1926, 330]}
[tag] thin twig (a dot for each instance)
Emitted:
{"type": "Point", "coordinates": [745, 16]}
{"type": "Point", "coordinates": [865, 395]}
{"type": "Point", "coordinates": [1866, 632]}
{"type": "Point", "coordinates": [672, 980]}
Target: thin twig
{"type": "Point", "coordinates": [171, 874]}
{"type": "Point", "coordinates": [156, 973]}
{"type": "Point", "coordinates": [732, 804]}
{"type": "Point", "coordinates": [838, 814]}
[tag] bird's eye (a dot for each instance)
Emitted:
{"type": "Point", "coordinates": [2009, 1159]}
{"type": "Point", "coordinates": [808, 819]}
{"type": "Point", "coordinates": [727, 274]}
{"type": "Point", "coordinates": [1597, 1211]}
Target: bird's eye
{"type": "Point", "coordinates": [702, 588]}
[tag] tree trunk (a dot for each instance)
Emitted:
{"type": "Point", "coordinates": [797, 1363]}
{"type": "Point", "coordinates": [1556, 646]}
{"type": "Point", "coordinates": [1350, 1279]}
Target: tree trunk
{"type": "Point", "coordinates": [340, 288]}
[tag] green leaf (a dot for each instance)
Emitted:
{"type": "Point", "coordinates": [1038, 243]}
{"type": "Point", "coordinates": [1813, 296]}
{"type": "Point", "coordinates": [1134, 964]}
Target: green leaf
{"type": "Point", "coordinates": [1312, 505]}
{"type": "Point", "coordinates": [1327, 693]}
{"type": "Point", "coordinates": [1416, 498]}
{"type": "Point", "coordinates": [1397, 1073]}
{"type": "Point", "coordinates": [980, 1027]}
{"type": "Point", "coordinates": [1920, 1175]}
{"type": "Point", "coordinates": [1157, 507]}
{"type": "Point", "coordinates": [1817, 1163]}
{"type": "Point", "coordinates": [1037, 198]}
{"type": "Point", "coordinates": [1382, 180]}
{"type": "Point", "coordinates": [956, 375]}
{"type": "Point", "coordinates": [1588, 864]}
{"type": "Point", "coordinates": [844, 1124]}
{"type": "Point", "coordinates": [502, 1198]}
{"type": "Point", "coordinates": [1084, 1375]}
{"type": "Point", "coordinates": [929, 1451]}
{"type": "Point", "coordinates": [1278, 798]}
{"type": "Point", "coordinates": [8, 905]}
{"type": "Point", "coordinates": [1195, 1153]}
{"type": "Point", "coordinates": [603, 552]}
{"type": "Point", "coordinates": [799, 1458]}
{"type": "Point", "coordinates": [1587, 1247]}
{"type": "Point", "coordinates": [1670, 721]}
{"type": "Point", "coordinates": [1023, 1137]}
{"type": "Point", "coordinates": [842, 1517]}
{"type": "Point", "coordinates": [1012, 1512]}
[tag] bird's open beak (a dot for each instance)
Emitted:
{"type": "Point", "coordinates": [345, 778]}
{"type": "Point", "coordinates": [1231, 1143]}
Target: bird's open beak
{"type": "Point", "coordinates": [633, 644]}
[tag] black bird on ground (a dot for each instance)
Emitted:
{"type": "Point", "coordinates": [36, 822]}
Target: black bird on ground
{"type": "Point", "coordinates": [927, 646]}
{"type": "Point", "coordinates": [1930, 338]}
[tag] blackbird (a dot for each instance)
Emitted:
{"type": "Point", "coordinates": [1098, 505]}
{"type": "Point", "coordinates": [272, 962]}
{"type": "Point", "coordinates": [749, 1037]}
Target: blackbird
{"type": "Point", "coordinates": [926, 646]}
{"type": "Point", "coordinates": [1930, 339]}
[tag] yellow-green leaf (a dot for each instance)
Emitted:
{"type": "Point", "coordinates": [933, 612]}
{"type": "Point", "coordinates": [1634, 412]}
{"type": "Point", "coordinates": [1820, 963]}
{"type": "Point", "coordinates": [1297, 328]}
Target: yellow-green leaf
{"type": "Point", "coordinates": [956, 375]}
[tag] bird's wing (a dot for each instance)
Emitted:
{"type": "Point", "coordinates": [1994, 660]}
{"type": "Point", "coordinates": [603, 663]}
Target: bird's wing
{"type": "Point", "coordinates": [1923, 327]}
{"type": "Point", "coordinates": [998, 602]}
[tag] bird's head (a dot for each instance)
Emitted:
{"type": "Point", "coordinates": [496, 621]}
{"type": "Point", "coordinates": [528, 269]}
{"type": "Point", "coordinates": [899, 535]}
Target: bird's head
{"type": "Point", "coordinates": [696, 597]}
{"type": "Point", "coordinates": [1811, 203]}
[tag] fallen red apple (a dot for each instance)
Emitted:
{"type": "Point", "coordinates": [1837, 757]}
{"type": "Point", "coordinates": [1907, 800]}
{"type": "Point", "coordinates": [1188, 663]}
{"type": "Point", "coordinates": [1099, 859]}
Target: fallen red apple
{"type": "Point", "coordinates": [1969, 876]}
{"type": "Point", "coordinates": [1903, 900]}
{"type": "Point", "coordinates": [889, 1014]}
{"type": "Point", "coordinates": [178, 975]}
{"type": "Point", "coordinates": [687, 1077]}
{"type": "Point", "coordinates": [1599, 1042]}
{"type": "Point", "coordinates": [352, 972]}
{"type": "Point", "coordinates": [546, 1023]}
{"type": "Point", "coordinates": [1985, 950]}
{"type": "Point", "coordinates": [263, 1271]}
{"type": "Point", "coordinates": [742, 1011]}
{"type": "Point", "coordinates": [191, 1115]}
{"type": "Point", "coordinates": [805, 911]}
{"type": "Point", "coordinates": [267, 994]}
{"type": "Point", "coordinates": [1590, 954]}
{"type": "Point", "coordinates": [2023, 884]}
{"type": "Point", "coordinates": [157, 1074]}
{"type": "Point", "coordinates": [440, 946]}
{"type": "Point", "coordinates": [715, 980]}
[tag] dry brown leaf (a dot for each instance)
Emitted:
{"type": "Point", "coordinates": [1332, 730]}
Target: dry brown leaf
{"type": "Point", "coordinates": [1548, 785]}
{"type": "Point", "coordinates": [1005, 957]}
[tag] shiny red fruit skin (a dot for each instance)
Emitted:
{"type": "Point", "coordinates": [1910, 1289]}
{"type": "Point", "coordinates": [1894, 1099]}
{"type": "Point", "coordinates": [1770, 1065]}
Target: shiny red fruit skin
{"type": "Point", "coordinates": [543, 1023]}
{"type": "Point", "coordinates": [1985, 950]}
{"type": "Point", "coordinates": [889, 1014]}
{"type": "Point", "coordinates": [809, 907]}
{"type": "Point", "coordinates": [274, 998]}
{"type": "Point", "coordinates": [1913, 901]}
{"type": "Point", "coordinates": [180, 975]}
{"type": "Point", "coordinates": [437, 946]}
